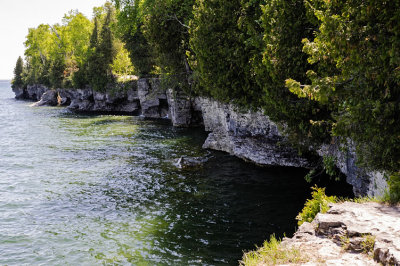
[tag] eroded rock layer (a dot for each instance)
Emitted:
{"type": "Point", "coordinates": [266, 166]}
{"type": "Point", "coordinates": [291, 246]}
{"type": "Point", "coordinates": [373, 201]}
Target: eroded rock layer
{"type": "Point", "coordinates": [351, 234]}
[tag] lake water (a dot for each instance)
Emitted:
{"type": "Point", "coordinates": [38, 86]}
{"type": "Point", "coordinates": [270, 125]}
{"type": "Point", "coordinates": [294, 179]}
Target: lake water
{"type": "Point", "coordinates": [88, 190]}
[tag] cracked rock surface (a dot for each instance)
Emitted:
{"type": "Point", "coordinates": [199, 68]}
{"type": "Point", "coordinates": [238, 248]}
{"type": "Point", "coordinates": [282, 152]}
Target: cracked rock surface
{"type": "Point", "coordinates": [351, 234]}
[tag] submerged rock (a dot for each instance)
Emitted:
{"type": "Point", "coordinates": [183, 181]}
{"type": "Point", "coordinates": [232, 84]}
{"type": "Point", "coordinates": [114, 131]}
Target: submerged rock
{"type": "Point", "coordinates": [189, 162]}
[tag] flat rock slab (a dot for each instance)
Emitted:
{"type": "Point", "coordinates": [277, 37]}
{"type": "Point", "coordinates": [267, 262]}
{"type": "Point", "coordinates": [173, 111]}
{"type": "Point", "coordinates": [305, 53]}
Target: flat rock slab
{"type": "Point", "coordinates": [337, 237]}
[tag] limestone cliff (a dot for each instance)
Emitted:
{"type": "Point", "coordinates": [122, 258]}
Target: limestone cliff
{"type": "Point", "coordinates": [249, 135]}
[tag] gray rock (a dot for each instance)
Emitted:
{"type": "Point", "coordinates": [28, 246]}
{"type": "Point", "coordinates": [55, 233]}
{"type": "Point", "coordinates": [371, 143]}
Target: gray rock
{"type": "Point", "coordinates": [183, 111]}
{"type": "Point", "coordinates": [35, 92]}
{"type": "Point", "coordinates": [356, 228]}
{"type": "Point", "coordinates": [49, 98]}
{"type": "Point", "coordinates": [129, 107]}
{"type": "Point", "coordinates": [153, 100]}
{"type": "Point", "coordinates": [189, 162]}
{"type": "Point", "coordinates": [371, 183]}
{"type": "Point", "coordinates": [20, 93]}
{"type": "Point", "coordinates": [251, 136]}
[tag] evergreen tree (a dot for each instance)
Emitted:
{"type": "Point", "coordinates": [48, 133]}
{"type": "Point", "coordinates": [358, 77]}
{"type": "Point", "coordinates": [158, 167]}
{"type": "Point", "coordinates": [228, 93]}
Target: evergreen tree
{"type": "Point", "coordinates": [18, 70]}
{"type": "Point", "coordinates": [356, 70]}
{"type": "Point", "coordinates": [56, 73]}
{"type": "Point", "coordinates": [166, 27]}
{"type": "Point", "coordinates": [130, 27]}
{"type": "Point", "coordinates": [285, 24]}
{"type": "Point", "coordinates": [99, 70]}
{"type": "Point", "coordinates": [94, 37]}
{"type": "Point", "coordinates": [218, 56]}
{"type": "Point", "coordinates": [105, 47]}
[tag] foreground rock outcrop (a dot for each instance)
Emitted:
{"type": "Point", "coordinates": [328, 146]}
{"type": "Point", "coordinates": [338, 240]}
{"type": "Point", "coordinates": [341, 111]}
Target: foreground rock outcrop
{"type": "Point", "coordinates": [351, 234]}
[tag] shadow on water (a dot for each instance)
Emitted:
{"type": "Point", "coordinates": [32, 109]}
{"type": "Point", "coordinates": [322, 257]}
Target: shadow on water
{"type": "Point", "coordinates": [205, 215]}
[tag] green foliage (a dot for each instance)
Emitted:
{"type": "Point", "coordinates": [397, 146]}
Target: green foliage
{"type": "Point", "coordinates": [218, 56]}
{"type": "Point", "coordinates": [393, 194]}
{"type": "Point", "coordinates": [18, 70]}
{"type": "Point", "coordinates": [273, 253]}
{"type": "Point", "coordinates": [165, 26]}
{"type": "Point", "coordinates": [319, 203]}
{"type": "Point", "coordinates": [130, 28]}
{"type": "Point", "coordinates": [122, 65]}
{"type": "Point", "coordinates": [330, 166]}
{"type": "Point", "coordinates": [56, 72]}
{"type": "Point", "coordinates": [309, 177]}
{"type": "Point", "coordinates": [357, 71]}
{"type": "Point", "coordinates": [368, 243]}
{"type": "Point", "coordinates": [54, 53]}
{"type": "Point", "coordinates": [76, 53]}
{"type": "Point", "coordinates": [285, 24]}
{"type": "Point", "coordinates": [102, 52]}
{"type": "Point", "coordinates": [157, 37]}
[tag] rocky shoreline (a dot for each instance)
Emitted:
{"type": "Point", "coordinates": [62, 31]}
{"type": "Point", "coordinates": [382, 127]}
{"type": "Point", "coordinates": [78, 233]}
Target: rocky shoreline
{"type": "Point", "coordinates": [350, 234]}
{"type": "Point", "coordinates": [251, 136]}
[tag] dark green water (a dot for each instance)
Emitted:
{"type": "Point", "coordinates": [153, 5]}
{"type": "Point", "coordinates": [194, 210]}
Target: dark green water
{"type": "Point", "coordinates": [89, 190]}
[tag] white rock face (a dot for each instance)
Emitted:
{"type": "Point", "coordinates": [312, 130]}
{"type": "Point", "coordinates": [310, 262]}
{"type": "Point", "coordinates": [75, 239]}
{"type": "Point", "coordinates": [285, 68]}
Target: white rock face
{"type": "Point", "coordinates": [249, 135]}
{"type": "Point", "coordinates": [183, 110]}
{"type": "Point", "coordinates": [363, 182]}
{"type": "Point", "coordinates": [338, 236]}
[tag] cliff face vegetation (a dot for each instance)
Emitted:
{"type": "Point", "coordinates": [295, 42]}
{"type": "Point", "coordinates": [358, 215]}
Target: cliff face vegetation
{"type": "Point", "coordinates": [320, 69]}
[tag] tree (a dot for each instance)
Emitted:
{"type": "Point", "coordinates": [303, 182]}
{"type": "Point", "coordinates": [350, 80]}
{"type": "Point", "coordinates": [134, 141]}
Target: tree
{"type": "Point", "coordinates": [356, 58]}
{"type": "Point", "coordinates": [122, 65]}
{"type": "Point", "coordinates": [18, 70]}
{"type": "Point", "coordinates": [166, 28]}
{"type": "Point", "coordinates": [102, 52]}
{"type": "Point", "coordinates": [285, 23]}
{"type": "Point", "coordinates": [130, 28]}
{"type": "Point", "coordinates": [219, 57]}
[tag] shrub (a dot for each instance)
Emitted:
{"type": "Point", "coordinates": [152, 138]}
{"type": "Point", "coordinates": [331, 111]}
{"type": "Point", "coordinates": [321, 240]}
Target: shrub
{"type": "Point", "coordinates": [318, 204]}
{"type": "Point", "coordinates": [393, 194]}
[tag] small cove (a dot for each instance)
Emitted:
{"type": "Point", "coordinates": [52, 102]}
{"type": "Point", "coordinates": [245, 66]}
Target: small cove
{"type": "Point", "coordinates": [101, 189]}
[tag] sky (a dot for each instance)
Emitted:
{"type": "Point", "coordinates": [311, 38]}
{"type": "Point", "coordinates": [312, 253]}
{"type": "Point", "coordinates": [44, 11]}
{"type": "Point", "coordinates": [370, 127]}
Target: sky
{"type": "Point", "coordinates": [16, 16]}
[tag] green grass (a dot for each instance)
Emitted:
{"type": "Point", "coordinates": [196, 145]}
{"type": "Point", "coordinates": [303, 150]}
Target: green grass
{"type": "Point", "coordinates": [272, 253]}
